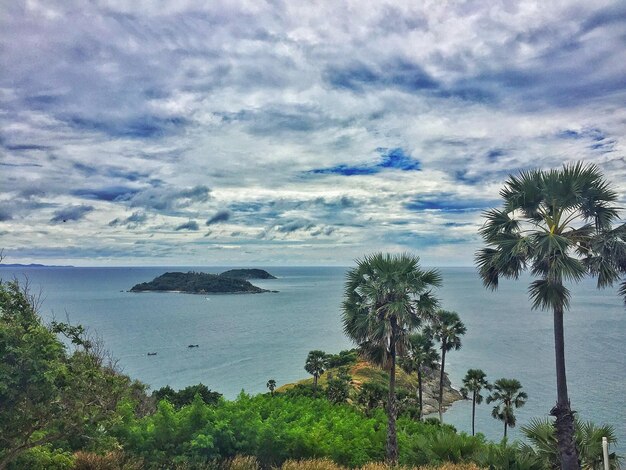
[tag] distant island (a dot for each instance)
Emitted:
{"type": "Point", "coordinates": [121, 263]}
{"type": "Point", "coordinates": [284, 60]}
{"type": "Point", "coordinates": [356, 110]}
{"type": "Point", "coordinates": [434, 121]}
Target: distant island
{"type": "Point", "coordinates": [198, 283]}
{"type": "Point", "coordinates": [33, 265]}
{"type": "Point", "coordinates": [247, 274]}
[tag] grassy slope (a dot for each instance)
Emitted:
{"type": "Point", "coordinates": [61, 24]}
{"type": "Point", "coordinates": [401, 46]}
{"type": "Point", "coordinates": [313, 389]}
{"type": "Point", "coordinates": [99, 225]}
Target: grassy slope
{"type": "Point", "coordinates": [364, 371]}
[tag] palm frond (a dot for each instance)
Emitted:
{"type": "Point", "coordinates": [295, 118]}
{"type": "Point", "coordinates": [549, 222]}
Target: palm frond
{"type": "Point", "coordinates": [545, 294]}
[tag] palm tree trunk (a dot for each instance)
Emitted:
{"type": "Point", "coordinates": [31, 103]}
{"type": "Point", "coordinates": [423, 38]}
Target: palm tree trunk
{"type": "Point", "coordinates": [564, 424]}
{"type": "Point", "coordinates": [505, 428]}
{"type": "Point", "coordinates": [315, 381]}
{"type": "Point", "coordinates": [419, 391]}
{"type": "Point", "coordinates": [392, 439]}
{"type": "Point", "coordinates": [443, 364]}
{"type": "Point", "coordinates": [473, 409]}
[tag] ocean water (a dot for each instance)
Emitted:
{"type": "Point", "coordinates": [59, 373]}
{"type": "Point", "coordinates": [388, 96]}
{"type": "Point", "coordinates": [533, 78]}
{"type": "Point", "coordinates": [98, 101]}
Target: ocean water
{"type": "Point", "coordinates": [244, 340]}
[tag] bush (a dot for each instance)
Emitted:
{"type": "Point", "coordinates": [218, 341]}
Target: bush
{"type": "Point", "coordinates": [115, 460]}
{"type": "Point", "coordinates": [43, 458]}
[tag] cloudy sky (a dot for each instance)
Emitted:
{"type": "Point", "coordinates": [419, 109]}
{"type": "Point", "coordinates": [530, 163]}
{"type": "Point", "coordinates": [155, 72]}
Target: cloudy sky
{"type": "Point", "coordinates": [285, 132]}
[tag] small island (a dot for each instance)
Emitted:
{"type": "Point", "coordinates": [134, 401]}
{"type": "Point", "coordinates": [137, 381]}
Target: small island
{"type": "Point", "coordinates": [246, 274]}
{"type": "Point", "coordinates": [197, 283]}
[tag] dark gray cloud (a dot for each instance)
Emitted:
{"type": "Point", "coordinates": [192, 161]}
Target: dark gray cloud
{"type": "Point", "coordinates": [132, 221]}
{"type": "Point", "coordinates": [170, 198]}
{"type": "Point", "coordinates": [191, 225]}
{"type": "Point", "coordinates": [113, 193]}
{"type": "Point", "coordinates": [5, 214]}
{"type": "Point", "coordinates": [221, 216]}
{"type": "Point", "coordinates": [71, 213]}
{"type": "Point", "coordinates": [398, 73]}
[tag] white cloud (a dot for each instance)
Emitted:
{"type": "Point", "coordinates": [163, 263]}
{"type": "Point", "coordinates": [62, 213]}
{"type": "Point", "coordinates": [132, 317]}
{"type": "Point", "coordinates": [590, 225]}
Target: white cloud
{"type": "Point", "coordinates": [136, 110]}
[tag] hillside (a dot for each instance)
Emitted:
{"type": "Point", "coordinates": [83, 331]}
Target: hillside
{"type": "Point", "coordinates": [197, 283]}
{"type": "Point", "coordinates": [363, 371]}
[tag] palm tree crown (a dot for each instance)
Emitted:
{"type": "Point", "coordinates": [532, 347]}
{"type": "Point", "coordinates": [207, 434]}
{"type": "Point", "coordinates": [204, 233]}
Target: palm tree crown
{"type": "Point", "coordinates": [271, 385]}
{"type": "Point", "coordinates": [385, 297]}
{"type": "Point", "coordinates": [508, 396]}
{"type": "Point", "coordinates": [315, 364]}
{"type": "Point", "coordinates": [559, 224]}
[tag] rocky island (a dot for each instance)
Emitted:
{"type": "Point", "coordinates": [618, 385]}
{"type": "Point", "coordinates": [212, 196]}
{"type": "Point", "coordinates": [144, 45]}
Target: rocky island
{"type": "Point", "coordinates": [198, 283]}
{"type": "Point", "coordinates": [247, 274]}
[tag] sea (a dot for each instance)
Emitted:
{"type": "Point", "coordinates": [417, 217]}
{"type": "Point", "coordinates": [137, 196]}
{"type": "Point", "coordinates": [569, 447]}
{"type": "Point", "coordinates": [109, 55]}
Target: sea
{"type": "Point", "coordinates": [245, 340]}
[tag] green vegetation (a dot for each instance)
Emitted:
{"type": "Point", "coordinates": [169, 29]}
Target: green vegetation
{"type": "Point", "coordinates": [558, 223]}
{"type": "Point", "coordinates": [51, 394]}
{"type": "Point", "coordinates": [543, 443]}
{"type": "Point", "coordinates": [187, 395]}
{"type": "Point", "coordinates": [197, 283]}
{"type": "Point", "coordinates": [68, 408]}
{"type": "Point", "coordinates": [246, 274]}
{"type": "Point", "coordinates": [271, 385]}
{"type": "Point", "coordinates": [385, 299]}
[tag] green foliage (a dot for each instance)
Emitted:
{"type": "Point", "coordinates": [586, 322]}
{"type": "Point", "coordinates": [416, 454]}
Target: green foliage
{"type": "Point", "coordinates": [507, 457]}
{"type": "Point", "coordinates": [372, 395]}
{"type": "Point", "coordinates": [196, 283]}
{"type": "Point", "coordinates": [186, 395]}
{"type": "Point", "coordinates": [543, 443]}
{"type": "Point", "coordinates": [273, 429]}
{"type": "Point", "coordinates": [43, 458]}
{"type": "Point", "coordinates": [344, 358]}
{"type": "Point", "coordinates": [338, 388]}
{"type": "Point", "coordinates": [47, 393]}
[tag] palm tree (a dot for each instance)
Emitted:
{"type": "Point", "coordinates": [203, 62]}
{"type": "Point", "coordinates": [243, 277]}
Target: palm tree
{"type": "Point", "coordinates": [558, 223]}
{"type": "Point", "coordinates": [508, 395]}
{"type": "Point", "coordinates": [447, 328]}
{"type": "Point", "coordinates": [315, 365]}
{"type": "Point", "coordinates": [271, 384]}
{"type": "Point", "coordinates": [474, 381]}
{"type": "Point", "coordinates": [421, 354]}
{"type": "Point", "coordinates": [385, 296]}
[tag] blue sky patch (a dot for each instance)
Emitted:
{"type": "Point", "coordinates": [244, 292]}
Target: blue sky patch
{"type": "Point", "coordinates": [394, 159]}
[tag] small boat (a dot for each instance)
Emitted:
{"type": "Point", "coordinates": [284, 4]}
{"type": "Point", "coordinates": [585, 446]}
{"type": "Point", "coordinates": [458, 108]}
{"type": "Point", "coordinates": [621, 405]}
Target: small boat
{"type": "Point", "coordinates": [152, 354]}
{"type": "Point", "coordinates": [193, 346]}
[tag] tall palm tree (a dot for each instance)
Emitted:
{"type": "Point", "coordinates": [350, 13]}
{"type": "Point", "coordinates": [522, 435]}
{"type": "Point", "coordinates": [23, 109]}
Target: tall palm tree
{"type": "Point", "coordinates": [558, 223]}
{"type": "Point", "coordinates": [474, 381]}
{"type": "Point", "coordinates": [385, 296]}
{"type": "Point", "coordinates": [447, 328]}
{"type": "Point", "coordinates": [315, 365]}
{"type": "Point", "coordinates": [508, 396]}
{"type": "Point", "coordinates": [421, 354]}
{"type": "Point", "coordinates": [271, 385]}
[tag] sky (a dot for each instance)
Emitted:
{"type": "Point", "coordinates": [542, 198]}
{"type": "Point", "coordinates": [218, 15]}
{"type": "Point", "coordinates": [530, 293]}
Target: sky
{"type": "Point", "coordinates": [292, 132]}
